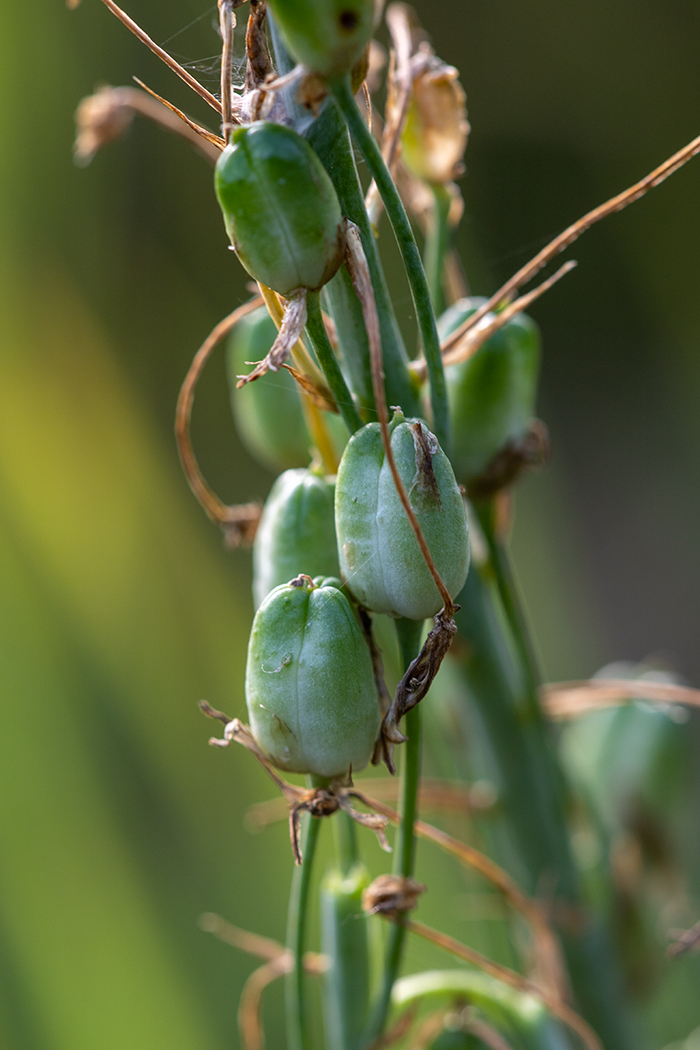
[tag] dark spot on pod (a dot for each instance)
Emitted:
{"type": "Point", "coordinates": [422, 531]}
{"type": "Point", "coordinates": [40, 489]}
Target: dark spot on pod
{"type": "Point", "coordinates": [348, 20]}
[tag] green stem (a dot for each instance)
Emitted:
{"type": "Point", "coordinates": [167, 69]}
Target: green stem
{"type": "Point", "coordinates": [409, 632]}
{"type": "Point", "coordinates": [345, 841]}
{"type": "Point", "coordinates": [437, 245]}
{"type": "Point", "coordinates": [510, 599]}
{"type": "Point", "coordinates": [296, 1012]}
{"type": "Point", "coordinates": [324, 351]}
{"type": "Point", "coordinates": [530, 826]}
{"type": "Point", "coordinates": [342, 92]}
{"type": "Point", "coordinates": [329, 137]}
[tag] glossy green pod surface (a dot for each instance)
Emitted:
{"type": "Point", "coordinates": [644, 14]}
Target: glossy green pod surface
{"type": "Point", "coordinates": [327, 36]}
{"type": "Point", "coordinates": [492, 395]}
{"type": "Point", "coordinates": [310, 690]}
{"type": "Point", "coordinates": [280, 208]}
{"type": "Point", "coordinates": [296, 533]}
{"type": "Point", "coordinates": [268, 413]}
{"type": "Point", "coordinates": [379, 554]}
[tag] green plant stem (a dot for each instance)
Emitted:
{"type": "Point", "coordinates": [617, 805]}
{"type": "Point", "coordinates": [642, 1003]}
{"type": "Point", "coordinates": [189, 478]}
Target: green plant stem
{"type": "Point", "coordinates": [331, 369]}
{"type": "Point", "coordinates": [409, 633]}
{"type": "Point", "coordinates": [437, 244]}
{"type": "Point", "coordinates": [530, 825]}
{"type": "Point", "coordinates": [342, 92]}
{"type": "Point", "coordinates": [296, 1012]}
{"type": "Point", "coordinates": [511, 601]}
{"type": "Point", "coordinates": [345, 841]}
{"type": "Point", "coordinates": [329, 137]}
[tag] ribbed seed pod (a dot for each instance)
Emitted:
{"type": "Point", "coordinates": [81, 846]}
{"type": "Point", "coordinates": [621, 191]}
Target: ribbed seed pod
{"type": "Point", "coordinates": [280, 208]}
{"type": "Point", "coordinates": [327, 36]}
{"type": "Point", "coordinates": [492, 395]}
{"type": "Point", "coordinates": [296, 533]}
{"type": "Point", "coordinates": [310, 689]}
{"type": "Point", "coordinates": [379, 554]}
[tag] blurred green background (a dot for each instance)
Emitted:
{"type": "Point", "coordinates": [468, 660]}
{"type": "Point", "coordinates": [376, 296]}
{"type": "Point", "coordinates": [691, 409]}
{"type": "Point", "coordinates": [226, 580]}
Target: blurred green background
{"type": "Point", "coordinates": [119, 608]}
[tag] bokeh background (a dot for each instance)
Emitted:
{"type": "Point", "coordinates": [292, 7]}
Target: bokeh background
{"type": "Point", "coordinates": [120, 609]}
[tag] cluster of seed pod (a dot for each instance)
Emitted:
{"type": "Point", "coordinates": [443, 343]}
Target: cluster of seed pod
{"type": "Point", "coordinates": [326, 548]}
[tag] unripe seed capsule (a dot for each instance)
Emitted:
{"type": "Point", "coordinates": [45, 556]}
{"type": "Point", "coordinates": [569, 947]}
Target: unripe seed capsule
{"type": "Point", "coordinates": [296, 533]}
{"type": "Point", "coordinates": [379, 554]}
{"type": "Point", "coordinates": [492, 394]}
{"type": "Point", "coordinates": [327, 36]}
{"type": "Point", "coordinates": [310, 689]}
{"type": "Point", "coordinates": [280, 208]}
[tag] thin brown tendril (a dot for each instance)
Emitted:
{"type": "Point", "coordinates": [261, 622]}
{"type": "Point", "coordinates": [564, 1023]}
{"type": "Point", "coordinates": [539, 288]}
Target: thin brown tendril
{"type": "Point", "coordinates": [208, 136]}
{"type": "Point", "coordinates": [550, 968]}
{"type": "Point", "coordinates": [571, 233]}
{"type": "Point", "coordinates": [163, 55]}
{"type": "Point", "coordinates": [227, 25]}
{"type": "Point", "coordinates": [437, 795]}
{"type": "Point", "coordinates": [563, 700]}
{"type": "Point", "coordinates": [510, 977]}
{"type": "Point", "coordinates": [362, 283]}
{"type": "Point", "coordinates": [242, 519]}
{"type": "Point", "coordinates": [399, 87]}
{"type": "Point", "coordinates": [474, 338]}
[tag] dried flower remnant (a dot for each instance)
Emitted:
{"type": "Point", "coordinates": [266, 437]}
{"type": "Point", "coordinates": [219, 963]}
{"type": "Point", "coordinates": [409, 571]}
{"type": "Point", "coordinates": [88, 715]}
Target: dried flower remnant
{"type": "Point", "coordinates": [437, 129]}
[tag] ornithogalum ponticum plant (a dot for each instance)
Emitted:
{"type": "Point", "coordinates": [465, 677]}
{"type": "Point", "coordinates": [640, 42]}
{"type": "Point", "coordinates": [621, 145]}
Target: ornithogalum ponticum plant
{"type": "Point", "coordinates": [389, 461]}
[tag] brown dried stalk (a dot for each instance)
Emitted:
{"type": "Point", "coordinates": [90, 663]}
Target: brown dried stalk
{"type": "Point", "coordinates": [238, 522]}
{"type": "Point", "coordinates": [438, 795]}
{"type": "Point", "coordinates": [563, 700]}
{"type": "Point", "coordinates": [253, 943]}
{"type": "Point", "coordinates": [227, 26]}
{"type": "Point", "coordinates": [475, 337]}
{"type": "Point", "coordinates": [401, 23]}
{"type": "Point", "coordinates": [510, 977]}
{"type": "Point", "coordinates": [163, 55]}
{"type": "Point", "coordinates": [572, 233]}
{"type": "Point", "coordinates": [106, 116]}
{"type": "Point", "coordinates": [200, 132]}
{"type": "Point", "coordinates": [280, 961]}
{"type": "Point", "coordinates": [687, 942]}
{"type": "Point", "coordinates": [550, 967]}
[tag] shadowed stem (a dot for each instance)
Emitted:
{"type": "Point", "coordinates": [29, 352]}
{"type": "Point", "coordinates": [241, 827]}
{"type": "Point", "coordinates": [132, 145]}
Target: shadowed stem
{"type": "Point", "coordinates": [437, 244]}
{"type": "Point", "coordinates": [296, 1008]}
{"type": "Point", "coordinates": [396, 212]}
{"type": "Point", "coordinates": [409, 633]}
{"type": "Point", "coordinates": [345, 841]}
{"type": "Point", "coordinates": [510, 597]}
{"type": "Point", "coordinates": [324, 351]}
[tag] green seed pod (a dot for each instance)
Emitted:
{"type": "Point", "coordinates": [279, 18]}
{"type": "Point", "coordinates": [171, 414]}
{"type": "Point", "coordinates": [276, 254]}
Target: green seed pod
{"type": "Point", "coordinates": [379, 554]}
{"type": "Point", "coordinates": [346, 944]}
{"type": "Point", "coordinates": [310, 689]}
{"type": "Point", "coordinates": [327, 36]}
{"type": "Point", "coordinates": [296, 533]}
{"type": "Point", "coordinates": [280, 208]}
{"type": "Point", "coordinates": [268, 413]}
{"type": "Point", "coordinates": [492, 395]}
